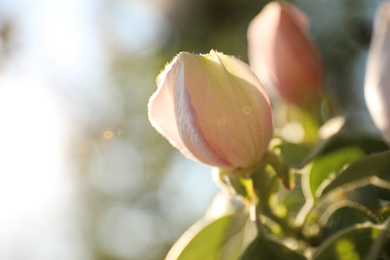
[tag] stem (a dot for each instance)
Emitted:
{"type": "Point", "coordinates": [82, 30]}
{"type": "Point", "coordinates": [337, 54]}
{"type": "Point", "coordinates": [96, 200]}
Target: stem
{"type": "Point", "coordinates": [255, 210]}
{"type": "Point", "coordinates": [265, 183]}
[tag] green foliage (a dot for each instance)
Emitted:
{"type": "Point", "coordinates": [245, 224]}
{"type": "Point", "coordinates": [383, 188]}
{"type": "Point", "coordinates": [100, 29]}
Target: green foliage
{"type": "Point", "coordinates": [373, 169]}
{"type": "Point", "coordinates": [323, 168]}
{"type": "Point", "coordinates": [353, 243]}
{"type": "Point", "coordinates": [265, 248]}
{"type": "Point", "coordinates": [294, 154]}
{"type": "Point", "coordinates": [335, 211]}
{"type": "Point", "coordinates": [352, 196]}
{"type": "Point", "coordinates": [221, 239]}
{"type": "Point", "coordinates": [345, 217]}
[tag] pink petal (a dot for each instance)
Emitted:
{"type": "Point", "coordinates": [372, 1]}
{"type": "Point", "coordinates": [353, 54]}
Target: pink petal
{"type": "Point", "coordinates": [281, 54]}
{"type": "Point", "coordinates": [190, 130]}
{"type": "Point", "coordinates": [161, 110]}
{"type": "Point", "coordinates": [232, 108]}
{"type": "Point", "coordinates": [377, 79]}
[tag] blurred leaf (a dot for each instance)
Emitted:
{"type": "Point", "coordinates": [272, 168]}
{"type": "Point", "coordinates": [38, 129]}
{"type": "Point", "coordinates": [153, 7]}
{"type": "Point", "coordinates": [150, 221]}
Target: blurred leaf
{"type": "Point", "coordinates": [359, 186]}
{"type": "Point", "coordinates": [292, 200]}
{"type": "Point", "coordinates": [242, 186]}
{"type": "Point", "coordinates": [373, 169]}
{"type": "Point", "coordinates": [207, 240]}
{"type": "Point", "coordinates": [297, 155]}
{"type": "Point", "coordinates": [285, 204]}
{"type": "Point", "coordinates": [294, 155]}
{"type": "Point", "coordinates": [330, 164]}
{"type": "Point", "coordinates": [265, 248]}
{"type": "Point", "coordinates": [352, 243]}
{"type": "Point", "coordinates": [281, 169]}
{"type": "Point", "coordinates": [380, 242]}
{"type": "Point", "coordinates": [369, 144]}
{"type": "Point", "coordinates": [340, 208]}
{"type": "Point", "coordinates": [266, 184]}
{"type": "Point", "coordinates": [385, 211]}
{"type": "Point", "coordinates": [345, 217]}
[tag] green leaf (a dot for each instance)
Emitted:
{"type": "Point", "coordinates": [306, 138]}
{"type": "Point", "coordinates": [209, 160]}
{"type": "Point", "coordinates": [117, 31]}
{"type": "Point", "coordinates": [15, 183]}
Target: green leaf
{"type": "Point", "coordinates": [264, 248]}
{"type": "Point", "coordinates": [288, 203]}
{"type": "Point", "coordinates": [361, 186]}
{"type": "Point", "coordinates": [380, 242]}
{"type": "Point", "coordinates": [330, 164]}
{"type": "Point", "coordinates": [345, 217]}
{"type": "Point", "coordinates": [373, 169]}
{"type": "Point", "coordinates": [281, 169]}
{"type": "Point", "coordinates": [368, 144]}
{"type": "Point", "coordinates": [219, 239]}
{"type": "Point", "coordinates": [352, 243]}
{"type": "Point", "coordinates": [295, 155]}
{"type": "Point", "coordinates": [340, 208]}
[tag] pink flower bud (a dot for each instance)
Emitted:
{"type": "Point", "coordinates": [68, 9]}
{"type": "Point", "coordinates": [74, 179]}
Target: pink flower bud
{"type": "Point", "coordinates": [213, 108]}
{"type": "Point", "coordinates": [377, 79]}
{"type": "Point", "coordinates": [282, 55]}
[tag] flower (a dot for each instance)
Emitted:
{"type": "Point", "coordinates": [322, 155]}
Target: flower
{"type": "Point", "coordinates": [282, 55]}
{"type": "Point", "coordinates": [377, 78]}
{"type": "Point", "coordinates": [213, 108]}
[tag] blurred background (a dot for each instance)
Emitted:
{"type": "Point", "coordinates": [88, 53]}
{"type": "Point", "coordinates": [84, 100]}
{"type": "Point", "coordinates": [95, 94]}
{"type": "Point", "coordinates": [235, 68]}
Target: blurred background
{"type": "Point", "coordinates": [83, 175]}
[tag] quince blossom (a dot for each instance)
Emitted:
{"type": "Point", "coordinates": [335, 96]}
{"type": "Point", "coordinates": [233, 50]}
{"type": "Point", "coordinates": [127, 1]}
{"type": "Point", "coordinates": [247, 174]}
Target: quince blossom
{"type": "Point", "coordinates": [213, 108]}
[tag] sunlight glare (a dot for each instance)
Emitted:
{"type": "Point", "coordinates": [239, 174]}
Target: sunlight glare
{"type": "Point", "coordinates": [32, 182]}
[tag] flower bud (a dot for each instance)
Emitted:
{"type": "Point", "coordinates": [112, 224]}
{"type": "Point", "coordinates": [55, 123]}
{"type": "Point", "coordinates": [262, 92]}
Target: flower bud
{"type": "Point", "coordinates": [213, 108]}
{"type": "Point", "coordinates": [377, 78]}
{"type": "Point", "coordinates": [282, 55]}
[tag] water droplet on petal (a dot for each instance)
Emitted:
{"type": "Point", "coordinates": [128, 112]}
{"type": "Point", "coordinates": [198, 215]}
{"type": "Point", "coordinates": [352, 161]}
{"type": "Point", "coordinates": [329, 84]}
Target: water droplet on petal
{"type": "Point", "coordinates": [246, 110]}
